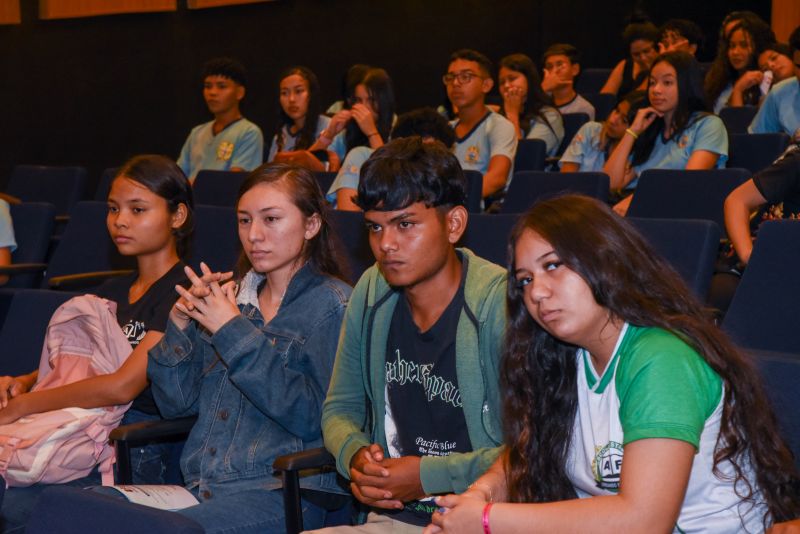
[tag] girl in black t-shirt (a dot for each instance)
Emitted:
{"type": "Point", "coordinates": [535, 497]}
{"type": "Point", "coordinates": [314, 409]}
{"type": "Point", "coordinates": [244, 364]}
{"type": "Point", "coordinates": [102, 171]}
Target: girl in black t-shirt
{"type": "Point", "coordinates": [149, 217]}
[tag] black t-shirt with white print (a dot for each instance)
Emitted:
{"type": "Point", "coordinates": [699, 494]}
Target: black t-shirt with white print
{"type": "Point", "coordinates": [149, 312]}
{"type": "Point", "coordinates": [424, 413]}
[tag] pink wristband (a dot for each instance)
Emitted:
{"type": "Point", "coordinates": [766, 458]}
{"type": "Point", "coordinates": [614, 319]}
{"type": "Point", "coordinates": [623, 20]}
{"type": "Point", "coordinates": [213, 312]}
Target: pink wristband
{"type": "Point", "coordinates": [486, 509]}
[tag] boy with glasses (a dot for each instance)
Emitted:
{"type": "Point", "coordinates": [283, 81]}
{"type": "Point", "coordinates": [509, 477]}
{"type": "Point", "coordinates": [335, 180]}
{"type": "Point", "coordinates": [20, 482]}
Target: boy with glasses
{"type": "Point", "coordinates": [561, 67]}
{"type": "Point", "coordinates": [485, 141]}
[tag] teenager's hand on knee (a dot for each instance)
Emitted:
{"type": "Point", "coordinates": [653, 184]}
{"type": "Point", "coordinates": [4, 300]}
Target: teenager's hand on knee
{"type": "Point", "coordinates": [457, 514]}
{"type": "Point", "coordinates": [369, 479]}
{"type": "Point", "coordinates": [10, 387]}
{"type": "Point", "coordinates": [404, 478]}
{"type": "Point", "coordinates": [13, 410]}
{"type": "Point", "coordinates": [788, 527]}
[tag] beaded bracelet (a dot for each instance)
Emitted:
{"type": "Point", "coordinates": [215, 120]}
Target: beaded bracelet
{"type": "Point", "coordinates": [485, 518]}
{"type": "Point", "coordinates": [632, 133]}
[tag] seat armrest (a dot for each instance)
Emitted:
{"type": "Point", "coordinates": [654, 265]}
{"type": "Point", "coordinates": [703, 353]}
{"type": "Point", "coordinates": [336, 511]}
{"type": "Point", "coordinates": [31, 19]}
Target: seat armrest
{"type": "Point", "coordinates": [22, 268]}
{"type": "Point", "coordinates": [83, 280]}
{"type": "Point", "coordinates": [308, 459]}
{"type": "Point", "coordinates": [148, 430]}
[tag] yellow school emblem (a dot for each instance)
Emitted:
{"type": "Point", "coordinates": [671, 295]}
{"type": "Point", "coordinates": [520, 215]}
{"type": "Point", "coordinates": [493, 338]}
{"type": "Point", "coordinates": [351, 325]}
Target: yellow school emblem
{"type": "Point", "coordinates": [225, 150]}
{"type": "Point", "coordinates": [473, 154]}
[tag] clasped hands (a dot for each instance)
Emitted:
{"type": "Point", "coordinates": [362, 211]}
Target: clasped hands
{"type": "Point", "coordinates": [206, 301]}
{"type": "Point", "coordinates": [384, 482]}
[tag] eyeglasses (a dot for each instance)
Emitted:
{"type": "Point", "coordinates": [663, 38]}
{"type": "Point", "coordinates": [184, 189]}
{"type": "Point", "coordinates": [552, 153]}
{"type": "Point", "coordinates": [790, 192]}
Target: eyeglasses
{"type": "Point", "coordinates": [462, 77]}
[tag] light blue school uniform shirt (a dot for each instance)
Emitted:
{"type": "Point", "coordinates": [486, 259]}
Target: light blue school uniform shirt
{"type": "Point", "coordinates": [578, 105]}
{"type": "Point", "coordinates": [552, 135]}
{"type": "Point", "coordinates": [240, 144]}
{"type": "Point", "coordinates": [6, 228]}
{"type": "Point", "coordinates": [349, 172]}
{"type": "Point", "coordinates": [780, 111]}
{"type": "Point", "coordinates": [290, 141]}
{"type": "Point", "coordinates": [494, 135]}
{"type": "Point", "coordinates": [585, 149]}
{"type": "Point", "coordinates": [705, 133]}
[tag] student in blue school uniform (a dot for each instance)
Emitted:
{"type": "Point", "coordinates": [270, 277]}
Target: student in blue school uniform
{"type": "Point", "coordinates": [229, 142]}
{"type": "Point", "coordinates": [672, 131]}
{"type": "Point", "coordinates": [485, 141]}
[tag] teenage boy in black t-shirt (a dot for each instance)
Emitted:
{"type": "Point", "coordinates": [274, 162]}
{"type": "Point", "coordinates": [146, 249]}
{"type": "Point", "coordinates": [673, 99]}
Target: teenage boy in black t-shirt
{"type": "Point", "coordinates": [413, 406]}
{"type": "Point", "coordinates": [778, 183]}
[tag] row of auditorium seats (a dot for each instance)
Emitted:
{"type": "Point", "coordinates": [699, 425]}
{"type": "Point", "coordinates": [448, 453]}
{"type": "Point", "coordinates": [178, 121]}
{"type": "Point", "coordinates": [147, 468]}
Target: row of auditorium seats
{"type": "Point", "coordinates": [64, 186]}
{"type": "Point", "coordinates": [769, 285]}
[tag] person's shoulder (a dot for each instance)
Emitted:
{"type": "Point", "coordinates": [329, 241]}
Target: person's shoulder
{"type": "Point", "coordinates": [333, 291]}
{"type": "Point", "coordinates": [644, 346]}
{"type": "Point", "coordinates": [200, 128]}
{"type": "Point", "coordinates": [495, 120]}
{"type": "Point", "coordinates": [483, 276]}
{"type": "Point", "coordinates": [590, 129]}
{"type": "Point", "coordinates": [358, 154]}
{"type": "Point", "coordinates": [706, 121]}
{"type": "Point", "coordinates": [785, 87]}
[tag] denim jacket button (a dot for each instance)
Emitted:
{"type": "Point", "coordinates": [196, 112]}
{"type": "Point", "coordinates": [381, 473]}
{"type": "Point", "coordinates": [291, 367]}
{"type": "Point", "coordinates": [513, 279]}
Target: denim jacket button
{"type": "Point", "coordinates": [223, 414]}
{"type": "Point", "coordinates": [206, 494]}
{"type": "Point", "coordinates": [179, 351]}
{"type": "Point", "coordinates": [212, 451]}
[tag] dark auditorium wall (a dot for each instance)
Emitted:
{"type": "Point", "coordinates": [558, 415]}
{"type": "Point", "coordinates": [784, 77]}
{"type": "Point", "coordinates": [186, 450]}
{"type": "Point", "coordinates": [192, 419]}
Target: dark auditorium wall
{"type": "Point", "coordinates": [94, 91]}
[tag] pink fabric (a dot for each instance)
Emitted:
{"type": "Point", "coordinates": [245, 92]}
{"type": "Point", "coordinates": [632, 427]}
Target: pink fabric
{"type": "Point", "coordinates": [83, 340]}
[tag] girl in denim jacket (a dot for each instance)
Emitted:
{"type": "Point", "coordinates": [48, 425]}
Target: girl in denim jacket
{"type": "Point", "coordinates": [252, 360]}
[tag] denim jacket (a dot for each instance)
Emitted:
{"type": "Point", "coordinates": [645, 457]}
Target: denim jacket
{"type": "Point", "coordinates": [256, 388]}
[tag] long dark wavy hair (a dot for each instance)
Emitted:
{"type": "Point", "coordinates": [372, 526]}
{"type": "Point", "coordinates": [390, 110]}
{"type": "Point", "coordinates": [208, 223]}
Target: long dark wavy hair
{"type": "Point", "coordinates": [537, 99]}
{"type": "Point", "coordinates": [380, 90]}
{"type": "Point", "coordinates": [721, 73]}
{"type": "Point", "coordinates": [691, 104]}
{"type": "Point", "coordinates": [308, 133]}
{"type": "Point", "coordinates": [162, 176]}
{"type": "Point", "coordinates": [539, 375]}
{"type": "Point", "coordinates": [322, 251]}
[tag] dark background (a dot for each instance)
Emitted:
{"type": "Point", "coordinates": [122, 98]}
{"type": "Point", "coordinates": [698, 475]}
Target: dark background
{"type": "Point", "coordinates": [95, 91]}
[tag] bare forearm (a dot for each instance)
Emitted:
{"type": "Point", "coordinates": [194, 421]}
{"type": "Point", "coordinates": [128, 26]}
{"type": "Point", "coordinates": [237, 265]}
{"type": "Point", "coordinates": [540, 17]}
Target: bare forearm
{"type": "Point", "coordinates": [610, 514]}
{"type": "Point", "coordinates": [617, 161]}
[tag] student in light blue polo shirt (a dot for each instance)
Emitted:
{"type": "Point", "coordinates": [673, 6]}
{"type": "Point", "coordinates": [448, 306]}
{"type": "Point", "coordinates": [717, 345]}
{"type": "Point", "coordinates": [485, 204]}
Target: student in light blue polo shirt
{"type": "Point", "coordinates": [485, 141]}
{"type": "Point", "coordinates": [780, 111]}
{"type": "Point", "coordinates": [526, 105]}
{"type": "Point", "coordinates": [300, 120]}
{"type": "Point", "coordinates": [593, 143]}
{"type": "Point", "coordinates": [671, 131]}
{"type": "Point", "coordinates": [366, 120]}
{"type": "Point", "coordinates": [7, 241]}
{"type": "Point", "coordinates": [229, 142]}
{"type": "Point", "coordinates": [425, 122]}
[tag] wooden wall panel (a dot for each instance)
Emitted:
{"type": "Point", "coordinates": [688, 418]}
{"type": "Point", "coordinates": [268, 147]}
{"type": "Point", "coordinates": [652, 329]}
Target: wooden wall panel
{"type": "Point", "coordinates": [200, 4]}
{"type": "Point", "coordinates": [9, 12]}
{"type": "Point", "coordinates": [64, 9]}
{"type": "Point", "coordinates": [785, 18]}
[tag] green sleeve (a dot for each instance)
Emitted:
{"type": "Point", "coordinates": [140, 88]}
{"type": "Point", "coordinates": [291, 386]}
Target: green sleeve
{"type": "Point", "coordinates": [665, 389]}
{"type": "Point", "coordinates": [344, 410]}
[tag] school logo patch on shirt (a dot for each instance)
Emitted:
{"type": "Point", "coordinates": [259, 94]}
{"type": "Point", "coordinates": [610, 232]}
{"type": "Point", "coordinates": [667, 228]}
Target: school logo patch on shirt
{"type": "Point", "coordinates": [225, 150]}
{"type": "Point", "coordinates": [607, 465]}
{"type": "Point", "coordinates": [473, 154]}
